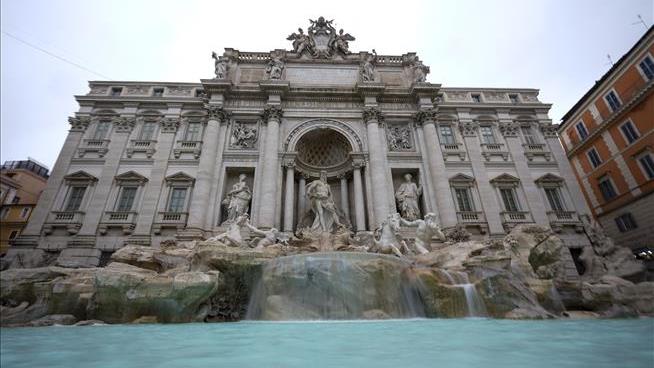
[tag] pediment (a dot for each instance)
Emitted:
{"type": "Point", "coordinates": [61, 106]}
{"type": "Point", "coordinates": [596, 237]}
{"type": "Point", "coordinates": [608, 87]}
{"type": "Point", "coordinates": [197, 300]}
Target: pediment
{"type": "Point", "coordinates": [180, 177]}
{"type": "Point", "coordinates": [462, 178]}
{"type": "Point", "coordinates": [131, 176]}
{"type": "Point", "coordinates": [505, 178]}
{"type": "Point", "coordinates": [80, 176]}
{"type": "Point", "coordinates": [549, 178]}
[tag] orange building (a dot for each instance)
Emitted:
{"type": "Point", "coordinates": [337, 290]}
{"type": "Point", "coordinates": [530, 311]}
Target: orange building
{"type": "Point", "coordinates": [609, 139]}
{"type": "Point", "coordinates": [21, 184]}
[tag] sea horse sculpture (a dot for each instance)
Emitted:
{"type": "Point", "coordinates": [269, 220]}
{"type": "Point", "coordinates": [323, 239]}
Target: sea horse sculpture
{"type": "Point", "coordinates": [389, 242]}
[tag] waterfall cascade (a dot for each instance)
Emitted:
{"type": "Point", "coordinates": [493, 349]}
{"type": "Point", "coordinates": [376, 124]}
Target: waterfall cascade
{"type": "Point", "coordinates": [474, 303]}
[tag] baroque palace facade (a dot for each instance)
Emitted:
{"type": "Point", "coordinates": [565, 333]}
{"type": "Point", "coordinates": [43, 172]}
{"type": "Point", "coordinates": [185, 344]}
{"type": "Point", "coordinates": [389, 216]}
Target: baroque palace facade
{"type": "Point", "coordinates": [146, 162]}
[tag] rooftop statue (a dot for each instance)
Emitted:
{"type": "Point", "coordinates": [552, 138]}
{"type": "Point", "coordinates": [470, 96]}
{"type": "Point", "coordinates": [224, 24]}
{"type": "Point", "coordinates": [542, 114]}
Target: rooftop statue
{"type": "Point", "coordinates": [321, 40]}
{"type": "Point", "coordinates": [220, 66]}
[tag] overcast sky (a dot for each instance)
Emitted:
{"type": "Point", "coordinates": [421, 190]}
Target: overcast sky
{"type": "Point", "coordinates": [559, 47]}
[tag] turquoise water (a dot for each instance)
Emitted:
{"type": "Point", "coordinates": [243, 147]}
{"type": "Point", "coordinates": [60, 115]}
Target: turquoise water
{"type": "Point", "coordinates": [398, 343]}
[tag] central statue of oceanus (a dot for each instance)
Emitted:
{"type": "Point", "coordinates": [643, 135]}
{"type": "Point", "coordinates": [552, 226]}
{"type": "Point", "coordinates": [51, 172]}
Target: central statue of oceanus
{"type": "Point", "coordinates": [323, 215]}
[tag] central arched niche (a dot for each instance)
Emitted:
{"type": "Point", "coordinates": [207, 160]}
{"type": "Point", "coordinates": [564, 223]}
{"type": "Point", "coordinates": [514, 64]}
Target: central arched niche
{"type": "Point", "coordinates": [323, 149]}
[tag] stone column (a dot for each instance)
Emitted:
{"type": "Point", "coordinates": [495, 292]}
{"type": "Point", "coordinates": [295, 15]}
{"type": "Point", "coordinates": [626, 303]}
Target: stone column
{"type": "Point", "coordinates": [509, 130]}
{"type": "Point", "coordinates": [378, 171]}
{"type": "Point", "coordinates": [268, 204]}
{"type": "Point", "coordinates": [359, 211]}
{"type": "Point", "coordinates": [345, 202]}
{"type": "Point", "coordinates": [152, 190]}
{"type": "Point", "coordinates": [446, 211]}
{"type": "Point", "coordinates": [203, 182]}
{"type": "Point", "coordinates": [78, 126]}
{"type": "Point", "coordinates": [489, 202]}
{"type": "Point", "coordinates": [301, 197]}
{"type": "Point", "coordinates": [289, 196]}
{"type": "Point", "coordinates": [122, 127]}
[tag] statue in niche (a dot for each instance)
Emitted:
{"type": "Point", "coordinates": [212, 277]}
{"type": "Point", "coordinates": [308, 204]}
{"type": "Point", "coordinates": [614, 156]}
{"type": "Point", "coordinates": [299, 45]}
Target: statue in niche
{"type": "Point", "coordinates": [399, 139]}
{"type": "Point", "coordinates": [237, 200]}
{"type": "Point", "coordinates": [301, 42]}
{"type": "Point", "coordinates": [426, 229]}
{"type": "Point", "coordinates": [339, 42]}
{"type": "Point", "coordinates": [407, 196]}
{"type": "Point", "coordinates": [275, 67]}
{"type": "Point", "coordinates": [368, 67]}
{"type": "Point", "coordinates": [243, 136]}
{"type": "Point", "coordinates": [232, 237]}
{"type": "Point", "coordinates": [326, 216]}
{"type": "Point", "coordinates": [220, 66]}
{"type": "Point", "coordinates": [420, 71]}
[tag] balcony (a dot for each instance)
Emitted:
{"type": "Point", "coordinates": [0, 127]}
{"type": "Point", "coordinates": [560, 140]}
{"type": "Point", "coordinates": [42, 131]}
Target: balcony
{"type": "Point", "coordinates": [192, 147]}
{"type": "Point", "coordinates": [488, 150]}
{"type": "Point", "coordinates": [146, 146]}
{"type": "Point", "coordinates": [118, 219]}
{"type": "Point", "coordinates": [533, 150]}
{"type": "Point", "coordinates": [98, 146]}
{"type": "Point", "coordinates": [513, 218]}
{"type": "Point", "coordinates": [175, 220]}
{"type": "Point", "coordinates": [472, 219]}
{"type": "Point", "coordinates": [560, 219]}
{"type": "Point", "coordinates": [453, 149]}
{"type": "Point", "coordinates": [70, 220]}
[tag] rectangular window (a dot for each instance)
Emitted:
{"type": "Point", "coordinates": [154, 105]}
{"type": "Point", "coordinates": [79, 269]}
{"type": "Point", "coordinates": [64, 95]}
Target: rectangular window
{"type": "Point", "coordinates": [447, 136]}
{"type": "Point", "coordinates": [13, 234]}
{"type": "Point", "coordinates": [554, 199]}
{"type": "Point", "coordinates": [625, 222]}
{"type": "Point", "coordinates": [177, 199]}
{"type": "Point", "coordinates": [629, 131]}
{"type": "Point", "coordinates": [647, 66]}
{"type": "Point", "coordinates": [581, 130]}
{"type": "Point", "coordinates": [606, 188]}
{"type": "Point", "coordinates": [24, 212]}
{"type": "Point", "coordinates": [647, 162]}
{"type": "Point", "coordinates": [594, 157]}
{"type": "Point", "coordinates": [126, 199]}
{"type": "Point", "coordinates": [476, 98]}
{"type": "Point", "coordinates": [157, 92]}
{"type": "Point", "coordinates": [487, 135]}
{"type": "Point", "coordinates": [463, 199]}
{"type": "Point", "coordinates": [509, 200]}
{"type": "Point", "coordinates": [612, 100]}
{"type": "Point", "coordinates": [101, 130]}
{"type": "Point", "coordinates": [116, 91]}
{"type": "Point", "coordinates": [147, 131]}
{"type": "Point", "coordinates": [193, 132]}
{"type": "Point", "coordinates": [528, 135]}
{"type": "Point", "coordinates": [75, 199]}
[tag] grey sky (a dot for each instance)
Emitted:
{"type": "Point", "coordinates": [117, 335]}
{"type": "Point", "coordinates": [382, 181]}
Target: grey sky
{"type": "Point", "coordinates": [559, 47]}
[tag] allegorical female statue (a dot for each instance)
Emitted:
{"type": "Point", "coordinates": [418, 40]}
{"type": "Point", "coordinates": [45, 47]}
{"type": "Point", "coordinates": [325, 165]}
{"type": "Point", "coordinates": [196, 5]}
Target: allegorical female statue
{"type": "Point", "coordinates": [407, 196]}
{"type": "Point", "coordinates": [238, 199]}
{"type": "Point", "coordinates": [322, 205]}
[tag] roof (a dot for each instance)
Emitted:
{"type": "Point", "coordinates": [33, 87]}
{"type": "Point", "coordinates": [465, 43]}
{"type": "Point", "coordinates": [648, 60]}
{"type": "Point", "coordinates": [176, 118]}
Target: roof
{"type": "Point", "coordinates": [606, 75]}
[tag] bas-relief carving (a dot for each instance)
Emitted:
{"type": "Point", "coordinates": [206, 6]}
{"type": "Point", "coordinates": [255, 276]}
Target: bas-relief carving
{"type": "Point", "coordinates": [138, 90]}
{"type": "Point", "coordinates": [399, 138]}
{"type": "Point", "coordinates": [529, 97]}
{"type": "Point", "coordinates": [457, 96]}
{"type": "Point", "coordinates": [180, 91]}
{"type": "Point", "coordinates": [98, 90]}
{"type": "Point", "coordinates": [495, 96]}
{"type": "Point", "coordinates": [244, 136]}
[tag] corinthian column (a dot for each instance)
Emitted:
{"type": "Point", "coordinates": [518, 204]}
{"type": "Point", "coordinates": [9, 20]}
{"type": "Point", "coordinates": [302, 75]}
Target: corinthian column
{"type": "Point", "coordinates": [301, 197]}
{"type": "Point", "coordinates": [268, 204]}
{"type": "Point", "coordinates": [359, 211]}
{"type": "Point", "coordinates": [446, 210]}
{"type": "Point", "coordinates": [203, 181]}
{"type": "Point", "coordinates": [289, 196]}
{"type": "Point", "coordinates": [345, 202]}
{"type": "Point", "coordinates": [378, 170]}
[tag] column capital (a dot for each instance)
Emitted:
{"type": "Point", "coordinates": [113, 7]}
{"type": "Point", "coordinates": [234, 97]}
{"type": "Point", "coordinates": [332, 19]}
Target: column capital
{"type": "Point", "coordinates": [272, 112]}
{"type": "Point", "coordinates": [425, 116]}
{"type": "Point", "coordinates": [124, 124]}
{"type": "Point", "coordinates": [169, 124]}
{"type": "Point", "coordinates": [358, 164]}
{"type": "Point", "coordinates": [549, 130]}
{"type": "Point", "coordinates": [79, 124]}
{"type": "Point", "coordinates": [372, 115]}
{"type": "Point", "coordinates": [215, 112]}
{"type": "Point", "coordinates": [468, 128]}
{"type": "Point", "coordinates": [508, 128]}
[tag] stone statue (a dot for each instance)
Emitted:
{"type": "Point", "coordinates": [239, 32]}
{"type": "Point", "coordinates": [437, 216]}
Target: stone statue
{"type": "Point", "coordinates": [399, 139]}
{"type": "Point", "coordinates": [232, 237]}
{"type": "Point", "coordinates": [407, 196]}
{"type": "Point", "coordinates": [420, 71]}
{"type": "Point", "coordinates": [301, 42]}
{"type": "Point", "coordinates": [275, 67]}
{"type": "Point", "coordinates": [238, 199]}
{"type": "Point", "coordinates": [426, 229]}
{"type": "Point", "coordinates": [264, 238]}
{"type": "Point", "coordinates": [243, 136]}
{"type": "Point", "coordinates": [322, 205]}
{"type": "Point", "coordinates": [339, 42]}
{"type": "Point", "coordinates": [220, 66]}
{"type": "Point", "coordinates": [368, 67]}
{"type": "Point", "coordinates": [389, 242]}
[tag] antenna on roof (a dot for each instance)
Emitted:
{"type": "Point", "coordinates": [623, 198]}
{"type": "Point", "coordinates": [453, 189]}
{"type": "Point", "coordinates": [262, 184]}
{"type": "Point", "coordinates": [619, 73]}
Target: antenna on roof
{"type": "Point", "coordinates": [608, 56]}
{"type": "Point", "coordinates": [640, 21]}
